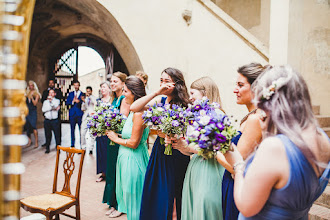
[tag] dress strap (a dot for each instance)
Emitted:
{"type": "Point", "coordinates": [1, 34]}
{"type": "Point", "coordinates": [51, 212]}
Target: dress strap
{"type": "Point", "coordinates": [163, 100]}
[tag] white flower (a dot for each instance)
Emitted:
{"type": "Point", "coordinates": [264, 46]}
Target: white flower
{"type": "Point", "coordinates": [202, 112]}
{"type": "Point", "coordinates": [204, 120]}
{"type": "Point", "coordinates": [204, 138]}
{"type": "Point", "coordinates": [149, 123]}
{"type": "Point", "coordinates": [160, 109]}
{"type": "Point", "coordinates": [149, 113]}
{"type": "Point", "coordinates": [192, 133]}
{"type": "Point", "coordinates": [204, 98]}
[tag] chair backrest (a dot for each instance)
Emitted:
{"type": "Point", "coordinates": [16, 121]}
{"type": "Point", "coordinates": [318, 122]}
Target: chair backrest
{"type": "Point", "coordinates": [68, 168]}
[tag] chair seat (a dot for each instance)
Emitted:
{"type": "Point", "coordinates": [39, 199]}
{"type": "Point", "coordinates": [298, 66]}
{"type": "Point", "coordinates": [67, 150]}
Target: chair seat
{"type": "Point", "coordinates": [47, 201]}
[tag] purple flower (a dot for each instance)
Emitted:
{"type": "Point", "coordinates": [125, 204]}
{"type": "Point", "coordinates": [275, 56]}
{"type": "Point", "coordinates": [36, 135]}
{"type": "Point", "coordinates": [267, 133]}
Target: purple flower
{"type": "Point", "coordinates": [175, 123]}
{"type": "Point", "coordinates": [198, 107]}
{"type": "Point", "coordinates": [221, 138]}
{"type": "Point", "coordinates": [220, 126]}
{"type": "Point", "coordinates": [95, 117]}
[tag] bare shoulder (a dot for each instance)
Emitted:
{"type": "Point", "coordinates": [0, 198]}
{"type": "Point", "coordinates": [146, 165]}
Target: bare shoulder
{"type": "Point", "coordinates": [272, 146]}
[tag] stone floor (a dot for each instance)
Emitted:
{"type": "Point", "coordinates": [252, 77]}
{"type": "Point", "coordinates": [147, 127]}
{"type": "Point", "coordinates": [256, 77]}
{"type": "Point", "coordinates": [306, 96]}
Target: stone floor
{"type": "Point", "coordinates": [38, 178]}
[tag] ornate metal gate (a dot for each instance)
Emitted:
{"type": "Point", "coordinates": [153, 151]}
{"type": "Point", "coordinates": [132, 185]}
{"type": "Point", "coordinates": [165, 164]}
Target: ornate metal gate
{"type": "Point", "coordinates": [65, 72]}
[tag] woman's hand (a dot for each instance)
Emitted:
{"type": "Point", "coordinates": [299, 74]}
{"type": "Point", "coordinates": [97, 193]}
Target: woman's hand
{"type": "Point", "coordinates": [160, 134]}
{"type": "Point", "coordinates": [165, 88]}
{"type": "Point", "coordinates": [112, 136]}
{"type": "Point", "coordinates": [234, 156]}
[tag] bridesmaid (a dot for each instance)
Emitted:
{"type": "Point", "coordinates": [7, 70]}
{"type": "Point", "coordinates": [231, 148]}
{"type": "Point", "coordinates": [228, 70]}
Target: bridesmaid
{"type": "Point", "coordinates": [32, 99]}
{"type": "Point", "coordinates": [116, 97]}
{"type": "Point", "coordinates": [133, 155]}
{"type": "Point", "coordinates": [249, 133]}
{"type": "Point", "coordinates": [162, 191]}
{"type": "Point", "coordinates": [203, 180]}
{"type": "Point", "coordinates": [291, 168]}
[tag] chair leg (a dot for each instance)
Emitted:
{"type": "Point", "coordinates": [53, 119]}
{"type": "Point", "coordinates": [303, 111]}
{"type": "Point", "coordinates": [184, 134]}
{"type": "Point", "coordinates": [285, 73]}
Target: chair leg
{"type": "Point", "coordinates": [78, 212]}
{"type": "Point", "coordinates": [57, 217]}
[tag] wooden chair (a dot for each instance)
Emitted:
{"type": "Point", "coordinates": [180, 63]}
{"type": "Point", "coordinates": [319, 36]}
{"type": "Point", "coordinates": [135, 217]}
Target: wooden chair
{"type": "Point", "coordinates": [57, 202]}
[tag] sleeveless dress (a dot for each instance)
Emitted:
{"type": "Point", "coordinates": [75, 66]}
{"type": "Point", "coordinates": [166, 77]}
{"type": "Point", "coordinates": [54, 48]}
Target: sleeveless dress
{"type": "Point", "coordinates": [294, 200]}
{"type": "Point", "coordinates": [111, 153]}
{"type": "Point", "coordinates": [131, 168]}
{"type": "Point", "coordinates": [163, 182]}
{"type": "Point", "coordinates": [229, 209]}
{"type": "Point", "coordinates": [202, 190]}
{"type": "Point", "coordinates": [31, 118]}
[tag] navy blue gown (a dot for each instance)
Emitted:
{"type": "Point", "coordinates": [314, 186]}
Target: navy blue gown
{"type": "Point", "coordinates": [229, 209]}
{"type": "Point", "coordinates": [163, 182]}
{"type": "Point", "coordinates": [31, 118]}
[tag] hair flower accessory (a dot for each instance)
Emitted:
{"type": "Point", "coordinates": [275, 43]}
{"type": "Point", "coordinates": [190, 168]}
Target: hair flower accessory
{"type": "Point", "coordinates": [269, 91]}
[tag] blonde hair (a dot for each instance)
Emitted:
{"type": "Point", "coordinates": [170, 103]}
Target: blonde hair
{"type": "Point", "coordinates": [143, 75]}
{"type": "Point", "coordinates": [36, 90]}
{"type": "Point", "coordinates": [122, 77]}
{"type": "Point", "coordinates": [208, 88]}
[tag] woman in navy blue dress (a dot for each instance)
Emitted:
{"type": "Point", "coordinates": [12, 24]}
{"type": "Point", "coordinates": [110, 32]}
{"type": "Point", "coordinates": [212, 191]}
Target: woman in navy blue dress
{"type": "Point", "coordinates": [249, 133]}
{"type": "Point", "coordinates": [32, 99]}
{"type": "Point", "coordinates": [162, 191]}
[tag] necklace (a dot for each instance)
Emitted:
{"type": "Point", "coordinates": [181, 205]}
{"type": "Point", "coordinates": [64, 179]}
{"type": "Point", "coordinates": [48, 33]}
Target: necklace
{"type": "Point", "coordinates": [246, 116]}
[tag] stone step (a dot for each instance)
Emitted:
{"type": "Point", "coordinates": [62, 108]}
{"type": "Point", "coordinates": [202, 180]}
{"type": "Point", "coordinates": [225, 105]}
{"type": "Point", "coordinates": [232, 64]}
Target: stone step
{"type": "Point", "coordinates": [324, 121]}
{"type": "Point", "coordinates": [316, 109]}
{"type": "Point", "coordinates": [318, 212]}
{"type": "Point", "coordinates": [324, 199]}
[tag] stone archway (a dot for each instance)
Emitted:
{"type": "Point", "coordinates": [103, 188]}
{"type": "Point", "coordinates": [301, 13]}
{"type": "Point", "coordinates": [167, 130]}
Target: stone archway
{"type": "Point", "coordinates": [59, 25]}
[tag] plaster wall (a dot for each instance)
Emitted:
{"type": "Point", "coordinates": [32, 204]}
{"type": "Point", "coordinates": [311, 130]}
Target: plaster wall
{"type": "Point", "coordinates": [163, 39]}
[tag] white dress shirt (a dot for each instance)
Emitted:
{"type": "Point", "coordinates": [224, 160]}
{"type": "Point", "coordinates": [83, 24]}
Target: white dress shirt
{"type": "Point", "coordinates": [49, 108]}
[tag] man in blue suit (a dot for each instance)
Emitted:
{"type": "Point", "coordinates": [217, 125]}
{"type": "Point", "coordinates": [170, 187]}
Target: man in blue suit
{"type": "Point", "coordinates": [75, 113]}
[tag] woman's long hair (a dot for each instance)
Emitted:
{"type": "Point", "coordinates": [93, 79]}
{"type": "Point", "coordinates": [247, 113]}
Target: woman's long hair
{"type": "Point", "coordinates": [208, 88]}
{"type": "Point", "coordinates": [136, 86]}
{"type": "Point", "coordinates": [283, 94]}
{"type": "Point", "coordinates": [180, 92]}
{"type": "Point", "coordinates": [36, 90]}
{"type": "Point", "coordinates": [252, 70]}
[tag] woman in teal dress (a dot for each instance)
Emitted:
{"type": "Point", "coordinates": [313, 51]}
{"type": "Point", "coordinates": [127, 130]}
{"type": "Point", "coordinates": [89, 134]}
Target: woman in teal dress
{"type": "Point", "coordinates": [117, 82]}
{"type": "Point", "coordinates": [133, 155]}
{"type": "Point", "coordinates": [291, 166]}
{"type": "Point", "coordinates": [201, 194]}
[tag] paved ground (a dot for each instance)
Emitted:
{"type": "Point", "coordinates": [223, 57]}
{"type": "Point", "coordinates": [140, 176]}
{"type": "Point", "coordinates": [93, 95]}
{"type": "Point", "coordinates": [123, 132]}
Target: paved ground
{"type": "Point", "coordinates": [38, 178]}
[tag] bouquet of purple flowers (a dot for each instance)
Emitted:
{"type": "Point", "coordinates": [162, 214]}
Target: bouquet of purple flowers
{"type": "Point", "coordinates": [153, 115]}
{"type": "Point", "coordinates": [173, 123]}
{"type": "Point", "coordinates": [106, 118]}
{"type": "Point", "coordinates": [210, 128]}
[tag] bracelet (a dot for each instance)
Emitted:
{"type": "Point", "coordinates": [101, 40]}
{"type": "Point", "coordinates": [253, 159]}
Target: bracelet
{"type": "Point", "coordinates": [237, 164]}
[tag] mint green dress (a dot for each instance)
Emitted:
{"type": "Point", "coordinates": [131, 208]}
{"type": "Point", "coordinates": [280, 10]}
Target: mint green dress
{"type": "Point", "coordinates": [131, 169]}
{"type": "Point", "coordinates": [201, 193]}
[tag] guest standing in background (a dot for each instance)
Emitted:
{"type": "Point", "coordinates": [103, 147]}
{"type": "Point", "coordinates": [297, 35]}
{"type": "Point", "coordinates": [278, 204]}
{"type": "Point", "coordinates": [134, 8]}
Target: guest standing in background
{"type": "Point", "coordinates": [144, 77]}
{"type": "Point", "coordinates": [75, 113]}
{"type": "Point", "coordinates": [162, 190]}
{"type": "Point", "coordinates": [87, 106]}
{"type": "Point", "coordinates": [32, 99]}
{"type": "Point", "coordinates": [291, 167]}
{"type": "Point", "coordinates": [133, 155]}
{"type": "Point", "coordinates": [58, 95]}
{"type": "Point", "coordinates": [117, 82]}
{"type": "Point", "coordinates": [50, 108]}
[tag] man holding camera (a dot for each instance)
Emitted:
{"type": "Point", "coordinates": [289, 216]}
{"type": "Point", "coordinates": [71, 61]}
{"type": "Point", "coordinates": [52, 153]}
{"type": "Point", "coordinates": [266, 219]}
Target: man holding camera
{"type": "Point", "coordinates": [50, 108]}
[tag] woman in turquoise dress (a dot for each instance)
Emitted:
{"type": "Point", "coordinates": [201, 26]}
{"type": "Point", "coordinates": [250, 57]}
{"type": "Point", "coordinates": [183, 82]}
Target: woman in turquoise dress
{"type": "Point", "coordinates": [117, 82]}
{"type": "Point", "coordinates": [133, 155]}
{"type": "Point", "coordinates": [162, 190]}
{"type": "Point", "coordinates": [291, 167]}
{"type": "Point", "coordinates": [203, 180]}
